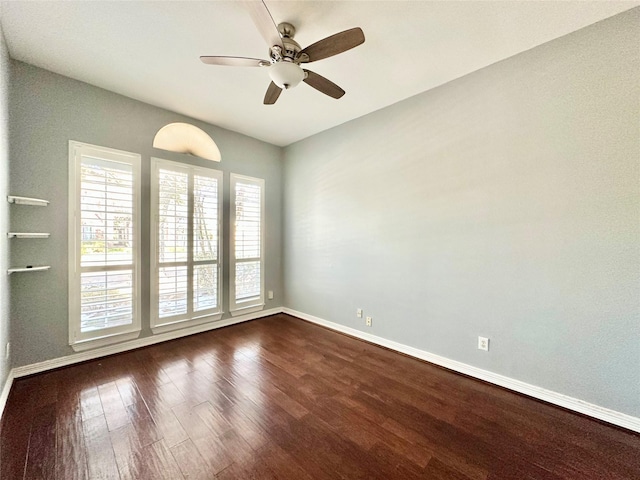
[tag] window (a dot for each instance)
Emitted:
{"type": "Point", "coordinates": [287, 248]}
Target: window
{"type": "Point", "coordinates": [186, 204]}
{"type": "Point", "coordinates": [104, 245]}
{"type": "Point", "coordinates": [247, 245]}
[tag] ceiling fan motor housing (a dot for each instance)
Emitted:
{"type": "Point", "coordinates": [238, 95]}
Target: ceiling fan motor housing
{"type": "Point", "coordinates": [291, 47]}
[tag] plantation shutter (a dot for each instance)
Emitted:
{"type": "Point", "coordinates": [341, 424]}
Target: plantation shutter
{"type": "Point", "coordinates": [206, 237]}
{"type": "Point", "coordinates": [106, 206]}
{"type": "Point", "coordinates": [172, 237]}
{"type": "Point", "coordinates": [247, 218]}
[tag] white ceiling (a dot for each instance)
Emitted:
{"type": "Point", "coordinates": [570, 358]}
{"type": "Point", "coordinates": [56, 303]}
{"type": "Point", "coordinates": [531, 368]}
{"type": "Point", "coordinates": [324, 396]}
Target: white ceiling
{"type": "Point", "coordinates": [149, 51]}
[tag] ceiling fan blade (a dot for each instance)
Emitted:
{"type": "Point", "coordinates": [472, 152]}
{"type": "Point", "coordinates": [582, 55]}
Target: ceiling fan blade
{"type": "Point", "coordinates": [264, 22]}
{"type": "Point", "coordinates": [234, 61]}
{"type": "Point", "coordinates": [333, 45]}
{"type": "Point", "coordinates": [322, 84]}
{"type": "Point", "coordinates": [273, 92]}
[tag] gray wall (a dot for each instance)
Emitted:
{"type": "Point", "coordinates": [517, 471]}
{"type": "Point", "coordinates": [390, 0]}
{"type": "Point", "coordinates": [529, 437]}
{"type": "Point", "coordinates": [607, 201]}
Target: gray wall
{"type": "Point", "coordinates": [48, 110]}
{"type": "Point", "coordinates": [504, 204]}
{"type": "Point", "coordinates": [4, 208]}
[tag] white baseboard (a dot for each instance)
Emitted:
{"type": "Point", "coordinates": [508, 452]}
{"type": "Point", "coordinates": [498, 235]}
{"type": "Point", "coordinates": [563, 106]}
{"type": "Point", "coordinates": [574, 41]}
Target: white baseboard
{"type": "Point", "coordinates": [580, 406]}
{"type": "Point", "coordinates": [610, 416]}
{"type": "Point", "coordinates": [39, 367]}
{"type": "Point", "coordinates": [4, 396]}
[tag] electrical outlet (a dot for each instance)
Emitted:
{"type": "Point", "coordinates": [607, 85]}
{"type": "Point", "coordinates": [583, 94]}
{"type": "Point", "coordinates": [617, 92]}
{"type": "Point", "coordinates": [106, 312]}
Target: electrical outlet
{"type": "Point", "coordinates": [483, 344]}
{"type": "Point", "coordinates": [359, 313]}
{"type": "Point", "coordinates": [8, 350]}
{"type": "Point", "coordinates": [270, 295]}
{"type": "Point", "coordinates": [369, 320]}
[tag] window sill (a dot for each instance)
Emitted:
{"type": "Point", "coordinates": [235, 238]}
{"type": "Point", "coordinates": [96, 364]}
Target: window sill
{"type": "Point", "coordinates": [244, 310]}
{"type": "Point", "coordinates": [84, 345]}
{"type": "Point", "coordinates": [177, 325]}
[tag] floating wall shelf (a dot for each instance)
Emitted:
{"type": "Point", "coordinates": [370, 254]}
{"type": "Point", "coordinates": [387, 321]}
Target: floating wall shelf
{"type": "Point", "coordinates": [27, 235]}
{"type": "Point", "coordinates": [38, 202]}
{"type": "Point", "coordinates": [38, 268]}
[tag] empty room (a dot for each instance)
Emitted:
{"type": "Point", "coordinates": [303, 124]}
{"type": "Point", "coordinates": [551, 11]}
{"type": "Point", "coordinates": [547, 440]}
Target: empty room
{"type": "Point", "coordinates": [320, 240]}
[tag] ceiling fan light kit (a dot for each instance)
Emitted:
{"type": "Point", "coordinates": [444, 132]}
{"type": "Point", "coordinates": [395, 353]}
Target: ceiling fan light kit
{"type": "Point", "coordinates": [286, 74]}
{"type": "Point", "coordinates": [286, 55]}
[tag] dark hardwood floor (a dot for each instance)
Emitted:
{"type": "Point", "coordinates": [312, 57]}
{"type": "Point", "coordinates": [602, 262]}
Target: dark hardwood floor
{"type": "Point", "coordinates": [282, 398]}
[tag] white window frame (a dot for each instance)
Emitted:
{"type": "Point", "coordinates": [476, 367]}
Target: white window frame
{"type": "Point", "coordinates": [78, 340]}
{"type": "Point", "coordinates": [191, 318]}
{"type": "Point", "coordinates": [252, 304]}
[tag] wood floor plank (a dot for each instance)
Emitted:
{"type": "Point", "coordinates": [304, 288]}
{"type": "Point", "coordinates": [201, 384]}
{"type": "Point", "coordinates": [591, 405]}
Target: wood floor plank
{"type": "Point", "coordinates": [246, 471]}
{"type": "Point", "coordinates": [101, 461]}
{"type": "Point", "coordinates": [191, 463]}
{"type": "Point", "coordinates": [128, 390]}
{"type": "Point", "coordinates": [48, 387]}
{"type": "Point", "coordinates": [393, 464]}
{"type": "Point", "coordinates": [141, 420]}
{"type": "Point", "coordinates": [212, 418]}
{"type": "Point", "coordinates": [347, 423]}
{"type": "Point", "coordinates": [128, 451]}
{"type": "Point", "coordinates": [281, 463]}
{"type": "Point", "coordinates": [259, 389]}
{"type": "Point", "coordinates": [332, 455]}
{"type": "Point", "coordinates": [195, 387]}
{"type": "Point", "coordinates": [113, 406]}
{"type": "Point", "coordinates": [458, 458]}
{"type": "Point", "coordinates": [438, 470]}
{"type": "Point", "coordinates": [280, 398]}
{"type": "Point", "coordinates": [41, 457]}
{"type": "Point", "coordinates": [236, 448]}
{"type": "Point", "coordinates": [213, 453]}
{"type": "Point", "coordinates": [191, 422]}
{"type": "Point", "coordinates": [90, 403]}
{"type": "Point", "coordinates": [160, 461]}
{"type": "Point", "coordinates": [251, 432]}
{"type": "Point", "coordinates": [169, 428]}
{"type": "Point", "coordinates": [159, 397]}
{"type": "Point", "coordinates": [70, 446]}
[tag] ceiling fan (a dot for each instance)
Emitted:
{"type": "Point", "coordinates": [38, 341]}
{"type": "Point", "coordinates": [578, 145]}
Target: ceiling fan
{"type": "Point", "coordinates": [286, 55]}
